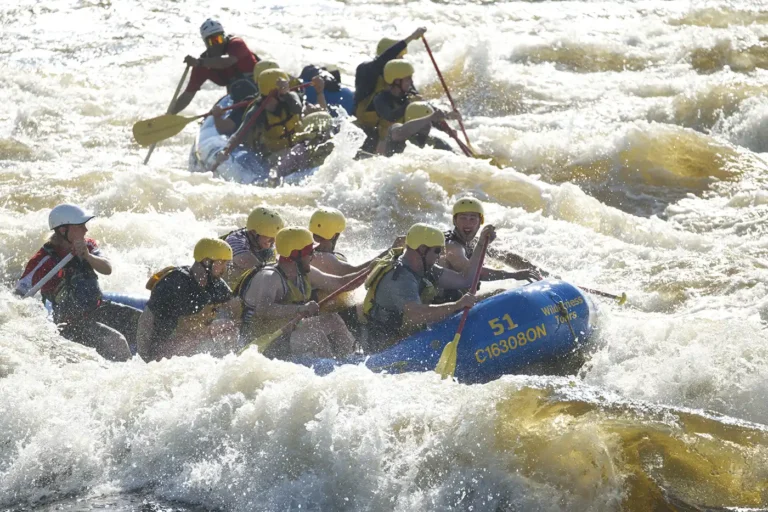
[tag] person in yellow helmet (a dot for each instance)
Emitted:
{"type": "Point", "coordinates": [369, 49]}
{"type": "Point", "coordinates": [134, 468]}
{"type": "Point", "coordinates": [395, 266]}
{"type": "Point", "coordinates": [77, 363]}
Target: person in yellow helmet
{"type": "Point", "coordinates": [468, 216]}
{"type": "Point", "coordinates": [275, 134]}
{"type": "Point", "coordinates": [273, 129]}
{"type": "Point", "coordinates": [253, 245]}
{"type": "Point", "coordinates": [180, 317]}
{"type": "Point", "coordinates": [327, 225]}
{"type": "Point", "coordinates": [419, 118]}
{"type": "Point", "coordinates": [277, 293]}
{"type": "Point", "coordinates": [401, 289]}
{"type": "Point", "coordinates": [369, 81]}
{"type": "Point", "coordinates": [391, 103]}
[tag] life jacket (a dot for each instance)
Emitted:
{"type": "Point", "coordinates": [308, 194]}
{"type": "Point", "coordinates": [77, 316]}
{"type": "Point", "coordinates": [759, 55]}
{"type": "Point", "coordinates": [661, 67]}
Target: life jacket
{"type": "Point", "coordinates": [292, 294]}
{"type": "Point", "coordinates": [278, 130]}
{"type": "Point", "coordinates": [383, 125]}
{"type": "Point", "coordinates": [392, 263]}
{"type": "Point", "coordinates": [77, 293]}
{"type": "Point", "coordinates": [189, 325]}
{"type": "Point", "coordinates": [365, 111]}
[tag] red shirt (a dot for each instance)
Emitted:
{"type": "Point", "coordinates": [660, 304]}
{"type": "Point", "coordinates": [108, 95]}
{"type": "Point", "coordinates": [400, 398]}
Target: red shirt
{"type": "Point", "coordinates": [236, 47]}
{"type": "Point", "coordinates": [42, 263]}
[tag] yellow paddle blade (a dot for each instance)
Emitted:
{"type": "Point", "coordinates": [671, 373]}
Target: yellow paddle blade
{"type": "Point", "coordinates": [263, 342]}
{"type": "Point", "coordinates": [152, 131]}
{"type": "Point", "coordinates": [623, 298]}
{"type": "Point", "coordinates": [446, 366]}
{"type": "Point", "coordinates": [492, 160]}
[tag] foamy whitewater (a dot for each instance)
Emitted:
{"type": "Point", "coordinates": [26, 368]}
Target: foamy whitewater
{"type": "Point", "coordinates": [633, 137]}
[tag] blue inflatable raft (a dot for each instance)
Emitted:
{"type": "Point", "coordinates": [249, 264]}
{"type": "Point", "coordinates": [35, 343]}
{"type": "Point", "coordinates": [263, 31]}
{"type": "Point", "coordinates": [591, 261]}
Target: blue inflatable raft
{"type": "Point", "coordinates": [243, 165]}
{"type": "Point", "coordinates": [540, 328]}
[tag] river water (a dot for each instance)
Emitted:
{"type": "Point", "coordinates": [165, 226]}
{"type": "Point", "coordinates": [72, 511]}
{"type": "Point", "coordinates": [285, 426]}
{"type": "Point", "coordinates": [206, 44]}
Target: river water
{"type": "Point", "coordinates": [632, 137]}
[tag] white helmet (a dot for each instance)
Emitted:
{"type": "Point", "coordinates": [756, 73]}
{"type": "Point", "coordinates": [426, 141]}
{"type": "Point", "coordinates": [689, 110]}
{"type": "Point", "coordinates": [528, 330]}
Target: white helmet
{"type": "Point", "coordinates": [65, 214]}
{"type": "Point", "coordinates": [210, 27]}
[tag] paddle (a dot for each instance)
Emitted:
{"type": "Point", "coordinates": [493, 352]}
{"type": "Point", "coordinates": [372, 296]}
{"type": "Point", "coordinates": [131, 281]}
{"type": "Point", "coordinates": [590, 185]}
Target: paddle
{"type": "Point", "coordinates": [443, 126]}
{"type": "Point", "coordinates": [47, 277]}
{"type": "Point", "coordinates": [621, 299]}
{"type": "Point", "coordinates": [243, 130]}
{"type": "Point", "coordinates": [447, 92]}
{"type": "Point", "coordinates": [446, 365]}
{"type": "Point", "coordinates": [152, 131]}
{"type": "Point", "coordinates": [265, 341]}
{"type": "Point", "coordinates": [173, 102]}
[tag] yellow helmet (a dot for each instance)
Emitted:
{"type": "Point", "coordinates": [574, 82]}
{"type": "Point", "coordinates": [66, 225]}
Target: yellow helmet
{"type": "Point", "coordinates": [386, 43]}
{"type": "Point", "coordinates": [292, 239]}
{"type": "Point", "coordinates": [265, 222]}
{"type": "Point", "coordinates": [263, 65]}
{"type": "Point", "coordinates": [424, 234]}
{"type": "Point", "coordinates": [418, 110]}
{"type": "Point", "coordinates": [268, 80]}
{"type": "Point", "coordinates": [469, 205]}
{"type": "Point", "coordinates": [212, 249]}
{"type": "Point", "coordinates": [327, 222]}
{"type": "Point", "coordinates": [397, 69]}
{"type": "Point", "coordinates": [314, 124]}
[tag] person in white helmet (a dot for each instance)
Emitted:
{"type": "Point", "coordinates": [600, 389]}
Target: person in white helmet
{"type": "Point", "coordinates": [225, 60]}
{"type": "Point", "coordinates": [79, 310]}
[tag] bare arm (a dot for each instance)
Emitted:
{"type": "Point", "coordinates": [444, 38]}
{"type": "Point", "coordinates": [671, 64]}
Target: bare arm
{"type": "Point", "coordinates": [224, 125]}
{"type": "Point", "coordinates": [245, 260]}
{"type": "Point", "coordinates": [330, 264]}
{"type": "Point", "coordinates": [517, 261]}
{"type": "Point", "coordinates": [458, 261]}
{"type": "Point", "coordinates": [99, 264]}
{"type": "Point", "coordinates": [144, 333]}
{"type": "Point", "coordinates": [400, 132]}
{"type": "Point", "coordinates": [319, 85]}
{"type": "Point", "coordinates": [328, 282]}
{"type": "Point", "coordinates": [415, 314]}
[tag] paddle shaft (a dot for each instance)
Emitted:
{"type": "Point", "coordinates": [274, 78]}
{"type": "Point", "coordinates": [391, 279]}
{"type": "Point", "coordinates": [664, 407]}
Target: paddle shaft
{"type": "Point", "coordinates": [474, 285]}
{"type": "Point", "coordinates": [442, 81]}
{"type": "Point", "coordinates": [442, 125]}
{"type": "Point", "coordinates": [232, 144]}
{"type": "Point", "coordinates": [170, 107]}
{"type": "Point", "coordinates": [598, 292]}
{"type": "Point", "coordinates": [244, 103]}
{"type": "Point", "coordinates": [295, 320]}
{"type": "Point", "coordinates": [47, 277]}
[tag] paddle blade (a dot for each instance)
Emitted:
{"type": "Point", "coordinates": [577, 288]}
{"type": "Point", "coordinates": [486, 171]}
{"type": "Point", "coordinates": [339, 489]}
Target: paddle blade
{"type": "Point", "coordinates": [623, 298]}
{"type": "Point", "coordinates": [446, 366]}
{"type": "Point", "coordinates": [263, 342]}
{"type": "Point", "coordinates": [152, 131]}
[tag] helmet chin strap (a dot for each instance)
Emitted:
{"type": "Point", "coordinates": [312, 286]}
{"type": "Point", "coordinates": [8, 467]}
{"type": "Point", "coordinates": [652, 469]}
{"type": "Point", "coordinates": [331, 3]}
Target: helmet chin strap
{"type": "Point", "coordinates": [208, 267]}
{"type": "Point", "coordinates": [424, 260]}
